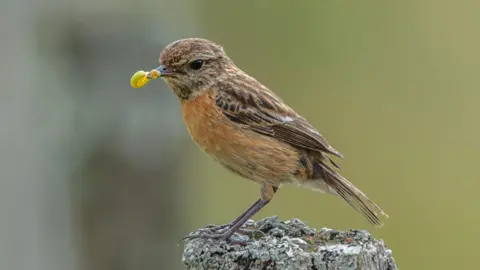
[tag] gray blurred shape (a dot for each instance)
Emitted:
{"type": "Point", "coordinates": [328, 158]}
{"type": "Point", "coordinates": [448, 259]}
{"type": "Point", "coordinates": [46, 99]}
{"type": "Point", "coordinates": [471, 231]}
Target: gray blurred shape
{"type": "Point", "coordinates": [88, 176]}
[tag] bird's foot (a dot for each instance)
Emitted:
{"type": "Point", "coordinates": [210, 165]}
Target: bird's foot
{"type": "Point", "coordinates": [217, 228]}
{"type": "Point", "coordinates": [224, 234]}
{"type": "Point", "coordinates": [206, 235]}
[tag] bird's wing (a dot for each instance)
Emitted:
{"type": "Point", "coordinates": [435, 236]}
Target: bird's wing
{"type": "Point", "coordinates": [264, 113]}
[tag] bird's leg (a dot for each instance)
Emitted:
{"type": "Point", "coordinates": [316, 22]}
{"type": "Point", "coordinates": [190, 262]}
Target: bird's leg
{"type": "Point", "coordinates": [234, 226]}
{"type": "Point", "coordinates": [214, 229]}
{"type": "Point", "coordinates": [267, 194]}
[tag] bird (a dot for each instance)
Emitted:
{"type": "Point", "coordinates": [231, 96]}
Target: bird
{"type": "Point", "coordinates": [250, 130]}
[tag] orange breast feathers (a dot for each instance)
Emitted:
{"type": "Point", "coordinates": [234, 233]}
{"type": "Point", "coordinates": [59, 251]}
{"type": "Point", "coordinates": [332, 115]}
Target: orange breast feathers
{"type": "Point", "coordinates": [244, 151]}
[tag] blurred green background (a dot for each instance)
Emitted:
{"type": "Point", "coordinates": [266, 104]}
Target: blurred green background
{"type": "Point", "coordinates": [96, 175]}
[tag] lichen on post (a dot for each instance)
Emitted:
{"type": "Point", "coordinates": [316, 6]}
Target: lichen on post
{"type": "Point", "coordinates": [288, 245]}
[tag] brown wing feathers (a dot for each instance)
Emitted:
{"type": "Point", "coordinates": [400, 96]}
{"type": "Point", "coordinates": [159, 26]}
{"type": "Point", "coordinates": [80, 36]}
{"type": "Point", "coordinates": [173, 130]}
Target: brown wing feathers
{"type": "Point", "coordinates": [272, 118]}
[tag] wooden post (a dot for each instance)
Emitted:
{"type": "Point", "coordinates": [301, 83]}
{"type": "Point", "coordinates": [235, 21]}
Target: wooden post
{"type": "Point", "coordinates": [290, 245]}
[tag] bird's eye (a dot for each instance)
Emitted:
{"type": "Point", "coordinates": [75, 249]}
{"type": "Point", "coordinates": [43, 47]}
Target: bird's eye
{"type": "Point", "coordinates": [197, 64]}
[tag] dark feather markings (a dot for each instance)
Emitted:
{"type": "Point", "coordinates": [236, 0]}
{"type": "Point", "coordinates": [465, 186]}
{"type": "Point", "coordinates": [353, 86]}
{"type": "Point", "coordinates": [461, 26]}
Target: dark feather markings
{"type": "Point", "coordinates": [267, 115]}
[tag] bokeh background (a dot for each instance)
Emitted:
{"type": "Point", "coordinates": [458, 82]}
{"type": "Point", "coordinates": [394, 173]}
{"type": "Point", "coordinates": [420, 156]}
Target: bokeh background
{"type": "Point", "coordinates": [95, 175]}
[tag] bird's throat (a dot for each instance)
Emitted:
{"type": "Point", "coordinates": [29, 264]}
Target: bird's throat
{"type": "Point", "coordinates": [181, 91]}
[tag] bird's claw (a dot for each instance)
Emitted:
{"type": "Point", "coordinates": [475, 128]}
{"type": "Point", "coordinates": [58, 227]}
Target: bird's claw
{"type": "Point", "coordinates": [215, 228]}
{"type": "Point", "coordinates": [206, 235]}
{"type": "Point", "coordinates": [222, 233]}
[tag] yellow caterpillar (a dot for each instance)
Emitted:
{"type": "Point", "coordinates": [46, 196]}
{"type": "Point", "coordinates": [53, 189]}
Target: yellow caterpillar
{"type": "Point", "coordinates": [140, 78]}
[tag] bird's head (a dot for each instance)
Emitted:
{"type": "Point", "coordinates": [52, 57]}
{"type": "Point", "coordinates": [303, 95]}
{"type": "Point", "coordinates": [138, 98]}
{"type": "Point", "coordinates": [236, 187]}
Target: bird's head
{"type": "Point", "coordinates": [192, 65]}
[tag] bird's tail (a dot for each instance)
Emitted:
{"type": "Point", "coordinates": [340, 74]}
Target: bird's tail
{"type": "Point", "coordinates": [351, 194]}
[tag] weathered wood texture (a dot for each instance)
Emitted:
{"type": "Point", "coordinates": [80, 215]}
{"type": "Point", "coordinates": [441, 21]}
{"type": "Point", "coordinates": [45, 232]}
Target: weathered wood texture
{"type": "Point", "coordinates": [291, 245]}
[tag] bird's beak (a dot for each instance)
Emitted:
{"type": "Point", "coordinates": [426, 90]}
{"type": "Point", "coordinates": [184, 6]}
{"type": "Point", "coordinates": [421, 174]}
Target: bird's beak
{"type": "Point", "coordinates": [140, 78]}
{"type": "Point", "coordinates": [164, 71]}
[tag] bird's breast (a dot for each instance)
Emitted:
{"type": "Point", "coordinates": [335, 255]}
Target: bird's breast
{"type": "Point", "coordinates": [241, 150]}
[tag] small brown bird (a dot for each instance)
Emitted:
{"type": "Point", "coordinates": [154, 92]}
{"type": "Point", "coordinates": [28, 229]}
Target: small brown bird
{"type": "Point", "coordinates": [250, 130]}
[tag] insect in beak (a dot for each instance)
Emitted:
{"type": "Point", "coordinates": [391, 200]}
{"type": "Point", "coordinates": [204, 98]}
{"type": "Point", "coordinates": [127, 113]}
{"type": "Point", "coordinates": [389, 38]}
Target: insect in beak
{"type": "Point", "coordinates": [140, 78]}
